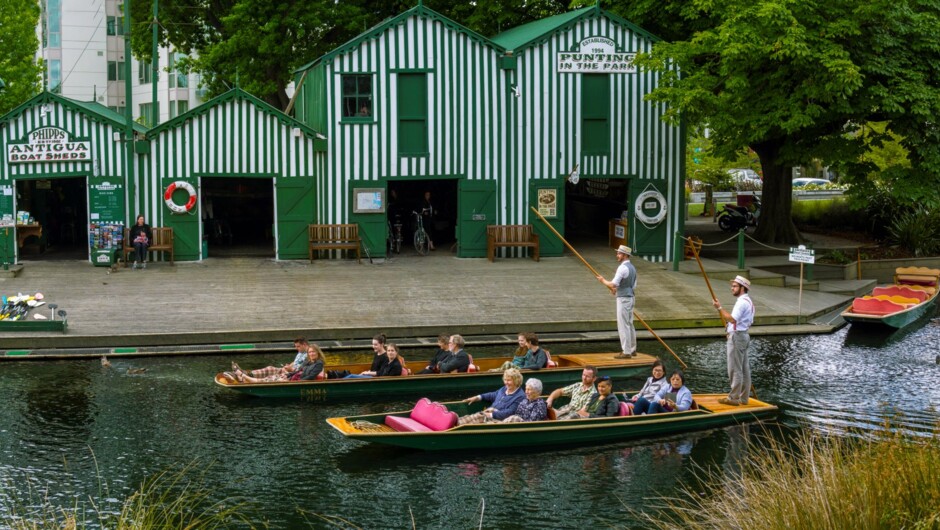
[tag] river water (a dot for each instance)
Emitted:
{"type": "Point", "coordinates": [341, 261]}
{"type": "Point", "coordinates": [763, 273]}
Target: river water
{"type": "Point", "coordinates": [71, 430]}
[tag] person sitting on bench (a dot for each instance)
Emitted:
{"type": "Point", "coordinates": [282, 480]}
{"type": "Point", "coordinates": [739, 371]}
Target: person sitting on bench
{"type": "Point", "coordinates": [141, 236]}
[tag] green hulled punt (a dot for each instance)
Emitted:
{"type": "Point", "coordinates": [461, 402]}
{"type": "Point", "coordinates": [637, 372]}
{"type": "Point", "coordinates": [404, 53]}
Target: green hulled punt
{"type": "Point", "coordinates": [552, 433]}
{"type": "Point", "coordinates": [567, 370]}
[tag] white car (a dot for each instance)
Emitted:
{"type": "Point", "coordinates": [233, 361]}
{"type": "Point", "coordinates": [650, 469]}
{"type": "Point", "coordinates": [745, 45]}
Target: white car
{"type": "Point", "coordinates": [747, 177]}
{"type": "Point", "coordinates": [802, 182]}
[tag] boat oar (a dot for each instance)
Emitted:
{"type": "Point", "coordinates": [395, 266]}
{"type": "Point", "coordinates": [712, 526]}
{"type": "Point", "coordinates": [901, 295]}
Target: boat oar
{"type": "Point", "coordinates": [707, 283]}
{"type": "Point", "coordinates": [588, 265]}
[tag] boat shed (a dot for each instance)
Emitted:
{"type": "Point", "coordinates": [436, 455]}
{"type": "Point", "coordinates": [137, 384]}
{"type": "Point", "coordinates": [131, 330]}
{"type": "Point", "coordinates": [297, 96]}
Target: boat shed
{"type": "Point", "coordinates": [63, 180]}
{"type": "Point", "coordinates": [548, 115]}
{"type": "Point", "coordinates": [233, 176]}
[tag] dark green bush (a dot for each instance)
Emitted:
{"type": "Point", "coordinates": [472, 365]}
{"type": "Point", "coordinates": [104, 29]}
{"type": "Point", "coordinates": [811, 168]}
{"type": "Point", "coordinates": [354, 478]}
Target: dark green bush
{"type": "Point", "coordinates": [918, 231]}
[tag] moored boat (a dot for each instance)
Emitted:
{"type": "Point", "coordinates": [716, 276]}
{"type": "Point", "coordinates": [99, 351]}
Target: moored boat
{"type": "Point", "coordinates": [393, 428]}
{"type": "Point", "coordinates": [910, 297]}
{"type": "Point", "coordinates": [566, 370]}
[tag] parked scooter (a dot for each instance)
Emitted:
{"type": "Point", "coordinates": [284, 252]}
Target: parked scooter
{"type": "Point", "coordinates": [733, 217]}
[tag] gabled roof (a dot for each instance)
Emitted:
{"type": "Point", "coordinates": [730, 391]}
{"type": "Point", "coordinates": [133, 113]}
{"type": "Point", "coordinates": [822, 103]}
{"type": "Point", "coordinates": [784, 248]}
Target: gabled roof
{"type": "Point", "coordinates": [234, 94]}
{"type": "Point", "coordinates": [95, 111]}
{"type": "Point", "coordinates": [533, 33]}
{"type": "Point", "coordinates": [418, 11]}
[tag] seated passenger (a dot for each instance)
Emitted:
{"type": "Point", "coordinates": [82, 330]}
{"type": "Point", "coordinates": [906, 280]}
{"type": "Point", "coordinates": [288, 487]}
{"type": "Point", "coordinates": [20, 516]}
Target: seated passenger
{"type": "Point", "coordinates": [309, 370]}
{"type": "Point", "coordinates": [653, 385]}
{"type": "Point", "coordinates": [580, 394]}
{"type": "Point", "coordinates": [603, 403]}
{"type": "Point", "coordinates": [458, 360]}
{"type": "Point", "coordinates": [532, 408]}
{"type": "Point", "coordinates": [389, 365]}
{"type": "Point", "coordinates": [300, 344]}
{"type": "Point", "coordinates": [518, 358]}
{"type": "Point", "coordinates": [442, 353]}
{"type": "Point", "coordinates": [535, 357]}
{"type": "Point", "coordinates": [504, 401]}
{"type": "Point", "coordinates": [674, 398]}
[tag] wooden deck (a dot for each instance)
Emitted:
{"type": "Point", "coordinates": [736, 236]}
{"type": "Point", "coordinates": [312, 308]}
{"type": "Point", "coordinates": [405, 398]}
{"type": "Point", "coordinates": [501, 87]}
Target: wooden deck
{"type": "Point", "coordinates": [237, 300]}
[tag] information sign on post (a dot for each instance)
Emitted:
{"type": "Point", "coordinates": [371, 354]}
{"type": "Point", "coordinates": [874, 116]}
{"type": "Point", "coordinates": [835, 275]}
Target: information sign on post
{"type": "Point", "coordinates": [801, 255]}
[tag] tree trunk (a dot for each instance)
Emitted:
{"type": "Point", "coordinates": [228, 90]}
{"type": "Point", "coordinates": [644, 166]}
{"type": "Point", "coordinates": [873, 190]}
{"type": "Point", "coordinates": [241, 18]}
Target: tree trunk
{"type": "Point", "coordinates": [775, 224]}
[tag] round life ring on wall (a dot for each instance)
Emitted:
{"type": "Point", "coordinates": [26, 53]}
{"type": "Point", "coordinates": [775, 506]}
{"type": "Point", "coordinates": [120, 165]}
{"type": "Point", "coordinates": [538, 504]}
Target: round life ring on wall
{"type": "Point", "coordinates": [641, 205]}
{"type": "Point", "coordinates": [168, 197]}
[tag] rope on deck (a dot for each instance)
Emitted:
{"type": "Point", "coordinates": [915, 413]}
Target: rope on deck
{"type": "Point", "coordinates": [367, 426]}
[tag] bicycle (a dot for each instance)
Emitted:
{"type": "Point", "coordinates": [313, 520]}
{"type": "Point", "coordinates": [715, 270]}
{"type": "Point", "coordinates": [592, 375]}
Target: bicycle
{"type": "Point", "coordinates": [422, 241]}
{"type": "Point", "coordinates": [394, 235]}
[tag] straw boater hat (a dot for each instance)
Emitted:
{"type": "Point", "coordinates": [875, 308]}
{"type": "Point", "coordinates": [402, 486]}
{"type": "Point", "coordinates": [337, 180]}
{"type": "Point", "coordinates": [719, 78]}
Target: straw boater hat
{"type": "Point", "coordinates": [743, 282]}
{"type": "Point", "coordinates": [623, 249]}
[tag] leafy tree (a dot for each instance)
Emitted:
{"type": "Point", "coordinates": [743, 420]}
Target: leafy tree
{"type": "Point", "coordinates": [20, 71]}
{"type": "Point", "coordinates": [791, 78]}
{"type": "Point", "coordinates": [260, 43]}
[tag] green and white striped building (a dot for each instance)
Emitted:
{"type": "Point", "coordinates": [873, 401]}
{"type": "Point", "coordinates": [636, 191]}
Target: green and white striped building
{"type": "Point", "coordinates": [420, 98]}
{"type": "Point", "coordinates": [493, 125]}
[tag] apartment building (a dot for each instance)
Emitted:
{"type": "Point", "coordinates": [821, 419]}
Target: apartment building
{"type": "Point", "coordinates": [83, 46]}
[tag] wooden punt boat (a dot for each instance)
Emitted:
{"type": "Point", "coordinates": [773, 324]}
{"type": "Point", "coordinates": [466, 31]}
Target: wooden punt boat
{"type": "Point", "coordinates": [567, 370]}
{"type": "Point", "coordinates": [896, 306]}
{"type": "Point", "coordinates": [551, 433]}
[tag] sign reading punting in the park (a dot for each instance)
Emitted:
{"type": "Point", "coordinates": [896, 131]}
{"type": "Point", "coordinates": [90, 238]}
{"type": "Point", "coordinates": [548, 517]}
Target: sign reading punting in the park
{"type": "Point", "coordinates": [801, 254]}
{"type": "Point", "coordinates": [49, 144]}
{"type": "Point", "coordinates": [595, 55]}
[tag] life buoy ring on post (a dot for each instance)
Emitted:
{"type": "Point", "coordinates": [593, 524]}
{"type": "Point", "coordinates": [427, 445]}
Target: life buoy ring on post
{"type": "Point", "coordinates": [168, 197]}
{"type": "Point", "coordinates": [640, 207]}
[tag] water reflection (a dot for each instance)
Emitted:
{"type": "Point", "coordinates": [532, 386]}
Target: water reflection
{"type": "Point", "coordinates": [69, 426]}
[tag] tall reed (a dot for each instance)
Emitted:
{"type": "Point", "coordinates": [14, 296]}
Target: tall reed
{"type": "Point", "coordinates": [171, 499]}
{"type": "Point", "coordinates": [884, 481]}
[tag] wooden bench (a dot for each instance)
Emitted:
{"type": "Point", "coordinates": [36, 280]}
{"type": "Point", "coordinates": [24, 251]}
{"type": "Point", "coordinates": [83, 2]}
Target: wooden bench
{"type": "Point", "coordinates": [334, 237]}
{"type": "Point", "coordinates": [162, 242]}
{"type": "Point", "coordinates": [511, 236]}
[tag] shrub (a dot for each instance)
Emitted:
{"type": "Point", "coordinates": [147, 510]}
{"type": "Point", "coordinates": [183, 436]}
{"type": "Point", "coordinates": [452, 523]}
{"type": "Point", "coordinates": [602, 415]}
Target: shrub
{"type": "Point", "coordinates": [917, 231]}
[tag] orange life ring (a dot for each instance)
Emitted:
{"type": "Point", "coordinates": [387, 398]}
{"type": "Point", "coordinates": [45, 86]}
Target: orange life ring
{"type": "Point", "coordinates": [168, 197]}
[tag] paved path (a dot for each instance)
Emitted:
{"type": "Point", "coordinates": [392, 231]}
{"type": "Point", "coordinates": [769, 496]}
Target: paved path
{"type": "Point", "coordinates": [235, 300]}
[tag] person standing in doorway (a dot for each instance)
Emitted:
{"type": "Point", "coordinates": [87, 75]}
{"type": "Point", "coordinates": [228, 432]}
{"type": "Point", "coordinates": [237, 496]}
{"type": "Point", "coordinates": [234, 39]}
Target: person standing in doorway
{"type": "Point", "coordinates": [427, 217]}
{"type": "Point", "coordinates": [622, 286]}
{"type": "Point", "coordinates": [141, 236]}
{"type": "Point", "coordinates": [738, 325]}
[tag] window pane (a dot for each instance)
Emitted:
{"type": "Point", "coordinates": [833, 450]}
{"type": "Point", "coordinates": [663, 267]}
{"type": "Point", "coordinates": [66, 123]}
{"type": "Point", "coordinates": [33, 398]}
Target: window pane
{"type": "Point", "coordinates": [365, 84]}
{"type": "Point", "coordinates": [183, 106]}
{"type": "Point", "coordinates": [349, 85]}
{"type": "Point", "coordinates": [111, 27]}
{"type": "Point", "coordinates": [112, 71]}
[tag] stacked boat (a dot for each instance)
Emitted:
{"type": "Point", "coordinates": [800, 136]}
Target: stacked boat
{"type": "Point", "coordinates": [912, 294]}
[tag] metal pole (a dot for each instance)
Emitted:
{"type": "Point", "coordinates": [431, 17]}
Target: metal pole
{"type": "Point", "coordinates": [154, 70]}
{"type": "Point", "coordinates": [677, 252]}
{"type": "Point", "coordinates": [741, 249]}
{"type": "Point", "coordinates": [128, 109]}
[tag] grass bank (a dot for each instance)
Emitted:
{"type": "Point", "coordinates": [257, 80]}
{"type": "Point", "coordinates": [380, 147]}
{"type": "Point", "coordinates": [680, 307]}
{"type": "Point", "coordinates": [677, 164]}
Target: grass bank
{"type": "Point", "coordinates": [888, 481]}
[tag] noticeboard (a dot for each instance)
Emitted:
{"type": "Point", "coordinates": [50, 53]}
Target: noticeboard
{"type": "Point", "coordinates": [106, 201]}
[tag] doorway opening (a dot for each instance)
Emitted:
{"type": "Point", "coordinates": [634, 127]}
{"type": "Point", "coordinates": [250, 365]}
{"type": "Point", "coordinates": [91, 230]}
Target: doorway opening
{"type": "Point", "coordinates": [590, 206]}
{"type": "Point", "coordinates": [59, 210]}
{"type": "Point", "coordinates": [405, 197]}
{"type": "Point", "coordinates": [238, 216]}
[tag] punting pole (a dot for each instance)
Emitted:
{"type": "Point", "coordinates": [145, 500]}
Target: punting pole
{"type": "Point", "coordinates": [588, 265]}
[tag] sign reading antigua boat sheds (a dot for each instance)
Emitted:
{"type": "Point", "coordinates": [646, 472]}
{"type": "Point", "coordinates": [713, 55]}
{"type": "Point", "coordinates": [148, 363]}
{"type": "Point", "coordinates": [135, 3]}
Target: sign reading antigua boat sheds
{"type": "Point", "coordinates": [49, 144]}
{"type": "Point", "coordinates": [595, 55]}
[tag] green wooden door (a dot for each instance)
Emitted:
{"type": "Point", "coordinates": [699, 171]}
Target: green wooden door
{"type": "Point", "coordinates": [476, 208]}
{"type": "Point", "coordinates": [647, 239]}
{"type": "Point", "coordinates": [295, 209]}
{"type": "Point", "coordinates": [187, 245]}
{"type": "Point", "coordinates": [549, 244]}
{"type": "Point", "coordinates": [373, 227]}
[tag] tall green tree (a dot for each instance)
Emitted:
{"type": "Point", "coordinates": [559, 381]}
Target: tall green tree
{"type": "Point", "coordinates": [792, 78]}
{"type": "Point", "coordinates": [260, 43]}
{"type": "Point", "coordinates": [19, 69]}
